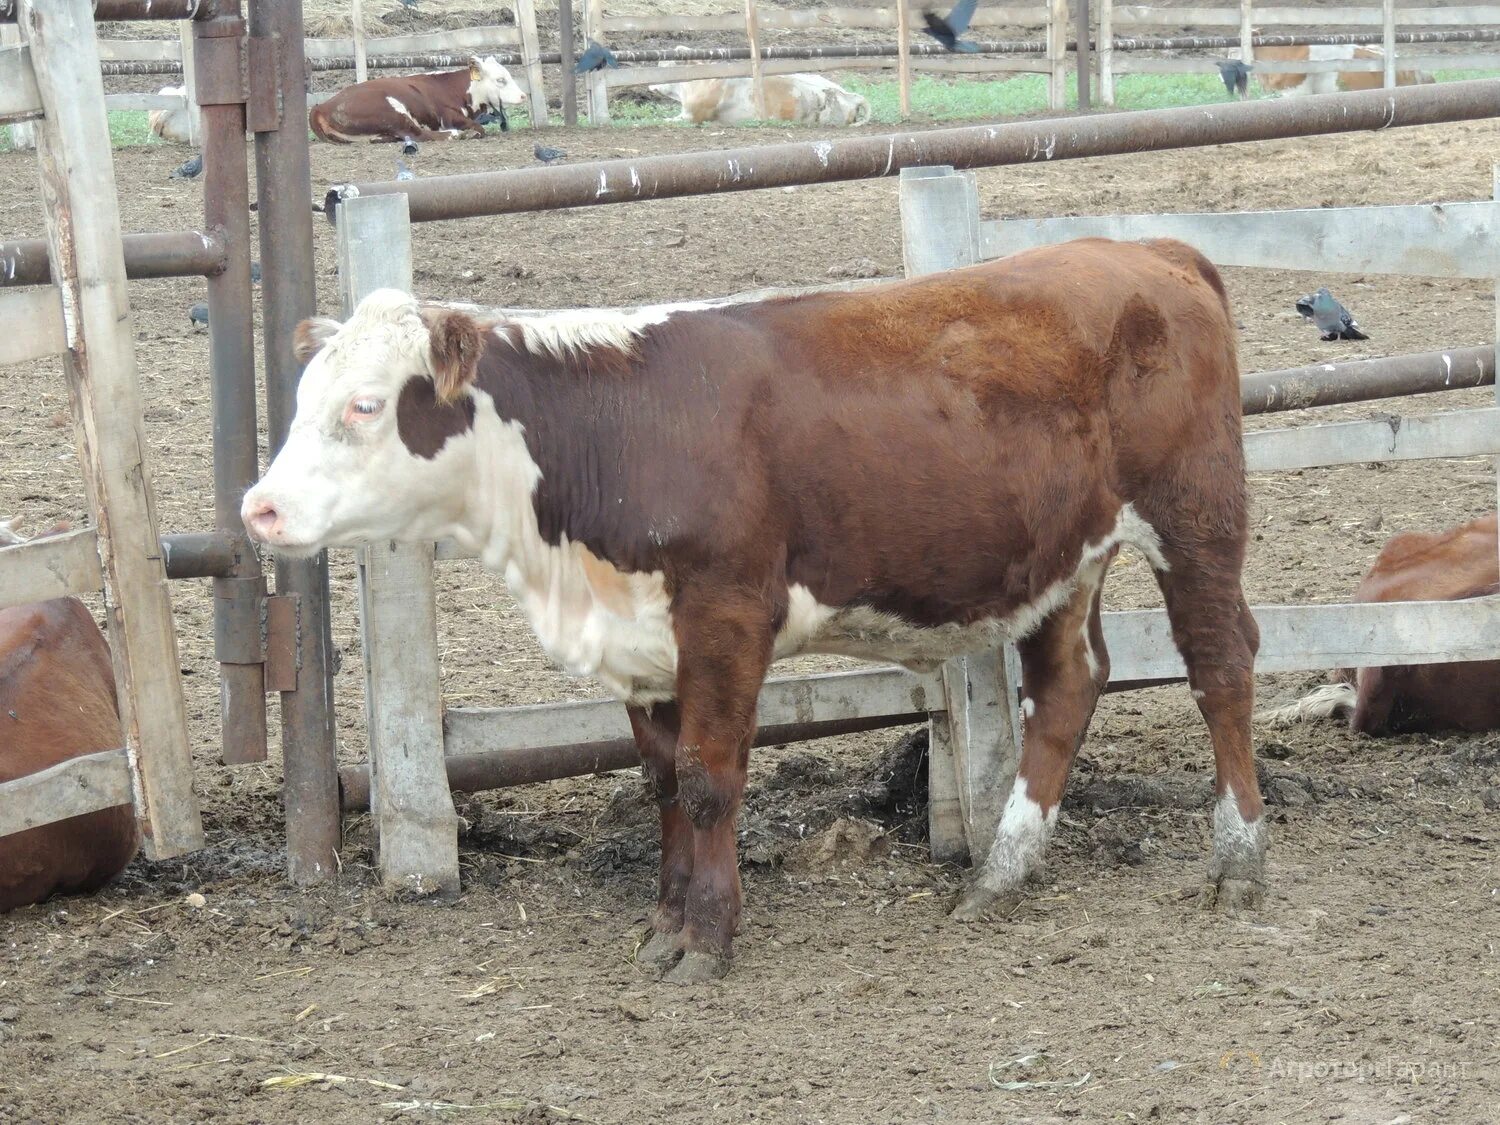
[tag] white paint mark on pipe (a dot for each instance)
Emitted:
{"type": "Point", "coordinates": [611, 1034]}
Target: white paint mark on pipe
{"type": "Point", "coordinates": [1448, 368]}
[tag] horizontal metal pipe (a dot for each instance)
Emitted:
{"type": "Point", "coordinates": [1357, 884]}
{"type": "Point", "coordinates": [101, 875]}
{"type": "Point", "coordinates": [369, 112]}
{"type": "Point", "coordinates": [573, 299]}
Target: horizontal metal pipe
{"type": "Point", "coordinates": [113, 11]}
{"type": "Point", "coordinates": [1324, 384]}
{"type": "Point", "coordinates": [975, 146]}
{"type": "Point", "coordinates": [203, 554]}
{"type": "Point", "coordinates": [640, 55]}
{"type": "Point", "coordinates": [188, 253]}
{"type": "Point", "coordinates": [500, 769]}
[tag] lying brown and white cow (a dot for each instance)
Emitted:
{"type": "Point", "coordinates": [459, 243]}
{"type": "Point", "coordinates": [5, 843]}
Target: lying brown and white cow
{"type": "Point", "coordinates": [435, 106]}
{"type": "Point", "coordinates": [57, 702]}
{"type": "Point", "coordinates": [172, 125]}
{"type": "Point", "coordinates": [1462, 562]}
{"type": "Point", "coordinates": [806, 99]}
{"type": "Point", "coordinates": [1328, 82]}
{"type": "Point", "coordinates": [678, 496]}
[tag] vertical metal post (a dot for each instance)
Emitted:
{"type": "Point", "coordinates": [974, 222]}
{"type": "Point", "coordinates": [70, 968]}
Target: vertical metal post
{"type": "Point", "coordinates": [1107, 52]}
{"type": "Point", "coordinates": [231, 348]}
{"type": "Point", "coordinates": [1388, 41]}
{"type": "Point", "coordinates": [903, 56]}
{"type": "Point", "coordinates": [357, 30]}
{"type": "Point", "coordinates": [284, 189]}
{"type": "Point", "coordinates": [565, 48]}
{"type": "Point", "coordinates": [1081, 30]}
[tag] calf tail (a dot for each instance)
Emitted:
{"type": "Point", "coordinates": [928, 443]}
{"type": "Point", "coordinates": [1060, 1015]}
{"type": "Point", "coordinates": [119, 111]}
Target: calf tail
{"type": "Point", "coordinates": [1326, 702]}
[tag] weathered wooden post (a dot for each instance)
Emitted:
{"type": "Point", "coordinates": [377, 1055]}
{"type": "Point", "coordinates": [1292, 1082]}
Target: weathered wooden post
{"type": "Point", "coordinates": [975, 743]}
{"type": "Point", "coordinates": [757, 78]}
{"type": "Point", "coordinates": [1057, 54]}
{"type": "Point", "coordinates": [357, 30]}
{"type": "Point", "coordinates": [531, 63]}
{"type": "Point", "coordinates": [1107, 52]}
{"type": "Point", "coordinates": [411, 807]}
{"type": "Point", "coordinates": [1388, 40]}
{"type": "Point", "coordinates": [190, 83]}
{"type": "Point", "coordinates": [598, 91]}
{"type": "Point", "coordinates": [903, 56]}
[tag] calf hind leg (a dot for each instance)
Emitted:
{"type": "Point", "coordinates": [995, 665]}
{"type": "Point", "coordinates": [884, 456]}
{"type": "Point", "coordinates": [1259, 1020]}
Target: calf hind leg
{"type": "Point", "coordinates": [1217, 637]}
{"type": "Point", "coordinates": [1064, 667]}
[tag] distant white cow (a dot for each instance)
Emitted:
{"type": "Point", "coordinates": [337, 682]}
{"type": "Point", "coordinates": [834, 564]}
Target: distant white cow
{"type": "Point", "coordinates": [807, 99]}
{"type": "Point", "coordinates": [172, 125]}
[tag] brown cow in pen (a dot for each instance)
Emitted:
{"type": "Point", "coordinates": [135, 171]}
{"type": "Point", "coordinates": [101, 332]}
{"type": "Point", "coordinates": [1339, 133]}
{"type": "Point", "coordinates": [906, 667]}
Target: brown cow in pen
{"type": "Point", "coordinates": [57, 701]}
{"type": "Point", "coordinates": [1462, 562]}
{"type": "Point", "coordinates": [435, 106]}
{"type": "Point", "coordinates": [680, 495]}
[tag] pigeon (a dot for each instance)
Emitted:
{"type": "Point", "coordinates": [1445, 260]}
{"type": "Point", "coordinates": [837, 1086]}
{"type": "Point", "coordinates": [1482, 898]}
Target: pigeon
{"type": "Point", "coordinates": [548, 155]}
{"type": "Point", "coordinates": [255, 273]}
{"type": "Point", "coordinates": [190, 169]}
{"type": "Point", "coordinates": [489, 116]}
{"type": "Point", "coordinates": [198, 314]}
{"type": "Point", "coordinates": [403, 172]}
{"type": "Point", "coordinates": [409, 146]}
{"type": "Point", "coordinates": [947, 30]}
{"type": "Point", "coordinates": [1236, 76]}
{"type": "Point", "coordinates": [1333, 321]}
{"type": "Point", "coordinates": [597, 57]}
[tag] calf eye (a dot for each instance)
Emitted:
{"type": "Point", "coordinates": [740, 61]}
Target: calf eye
{"type": "Point", "coordinates": [366, 407]}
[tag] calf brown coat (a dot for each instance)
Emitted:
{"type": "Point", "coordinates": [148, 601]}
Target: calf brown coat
{"type": "Point", "coordinates": [433, 103]}
{"type": "Point", "coordinates": [57, 702]}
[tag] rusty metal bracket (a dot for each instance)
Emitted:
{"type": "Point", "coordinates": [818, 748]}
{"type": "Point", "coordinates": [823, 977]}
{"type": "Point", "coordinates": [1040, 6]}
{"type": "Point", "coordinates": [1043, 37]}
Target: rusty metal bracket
{"type": "Point", "coordinates": [281, 626]}
{"type": "Point", "coordinates": [217, 75]}
{"type": "Point", "coordinates": [263, 64]}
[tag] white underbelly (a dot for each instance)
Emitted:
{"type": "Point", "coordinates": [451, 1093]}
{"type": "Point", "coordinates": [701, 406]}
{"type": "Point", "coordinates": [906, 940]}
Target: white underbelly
{"type": "Point", "coordinates": [593, 620]}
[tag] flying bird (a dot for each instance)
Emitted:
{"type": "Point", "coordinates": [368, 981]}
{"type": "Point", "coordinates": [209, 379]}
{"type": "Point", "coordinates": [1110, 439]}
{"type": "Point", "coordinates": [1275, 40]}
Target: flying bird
{"type": "Point", "coordinates": [198, 314]}
{"type": "Point", "coordinates": [1236, 76]}
{"type": "Point", "coordinates": [1332, 320]}
{"type": "Point", "coordinates": [403, 172]}
{"type": "Point", "coordinates": [949, 30]}
{"type": "Point", "coordinates": [547, 155]}
{"type": "Point", "coordinates": [597, 57]}
{"type": "Point", "coordinates": [190, 169]}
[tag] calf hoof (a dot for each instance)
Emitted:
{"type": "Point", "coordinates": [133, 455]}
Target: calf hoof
{"type": "Point", "coordinates": [981, 904]}
{"type": "Point", "coordinates": [697, 968]}
{"type": "Point", "coordinates": [658, 950]}
{"type": "Point", "coordinates": [1231, 895]}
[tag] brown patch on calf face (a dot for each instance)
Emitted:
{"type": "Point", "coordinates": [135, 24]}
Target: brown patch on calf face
{"type": "Point", "coordinates": [457, 344]}
{"type": "Point", "coordinates": [424, 423]}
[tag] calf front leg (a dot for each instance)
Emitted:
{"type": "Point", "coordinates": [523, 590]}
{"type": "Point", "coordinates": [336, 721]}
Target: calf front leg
{"type": "Point", "coordinates": [656, 733]}
{"type": "Point", "coordinates": [724, 651]}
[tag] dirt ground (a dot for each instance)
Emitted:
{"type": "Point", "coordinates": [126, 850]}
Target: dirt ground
{"type": "Point", "coordinates": [1365, 990]}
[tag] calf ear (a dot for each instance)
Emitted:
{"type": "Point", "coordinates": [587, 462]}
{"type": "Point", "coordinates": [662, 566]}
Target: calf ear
{"type": "Point", "coordinates": [311, 335]}
{"type": "Point", "coordinates": [475, 71]}
{"type": "Point", "coordinates": [457, 343]}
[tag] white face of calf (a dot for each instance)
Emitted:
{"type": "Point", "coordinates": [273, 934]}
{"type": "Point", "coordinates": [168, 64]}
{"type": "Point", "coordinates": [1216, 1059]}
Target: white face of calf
{"type": "Point", "coordinates": [491, 86]}
{"type": "Point", "coordinates": [382, 445]}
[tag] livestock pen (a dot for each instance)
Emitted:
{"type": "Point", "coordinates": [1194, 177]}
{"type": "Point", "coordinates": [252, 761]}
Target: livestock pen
{"type": "Point", "coordinates": [503, 999]}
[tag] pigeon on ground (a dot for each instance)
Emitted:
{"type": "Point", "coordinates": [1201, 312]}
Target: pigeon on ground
{"type": "Point", "coordinates": [493, 117]}
{"type": "Point", "coordinates": [948, 30]}
{"type": "Point", "coordinates": [255, 272]}
{"type": "Point", "coordinates": [597, 57]}
{"type": "Point", "coordinates": [1333, 321]}
{"type": "Point", "coordinates": [547, 155]}
{"type": "Point", "coordinates": [1236, 76]}
{"type": "Point", "coordinates": [403, 172]}
{"type": "Point", "coordinates": [198, 314]}
{"type": "Point", "coordinates": [409, 147]}
{"type": "Point", "coordinates": [190, 169]}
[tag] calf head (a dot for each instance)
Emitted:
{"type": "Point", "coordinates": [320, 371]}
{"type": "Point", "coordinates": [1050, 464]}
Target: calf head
{"type": "Point", "coordinates": [491, 86]}
{"type": "Point", "coordinates": [382, 445]}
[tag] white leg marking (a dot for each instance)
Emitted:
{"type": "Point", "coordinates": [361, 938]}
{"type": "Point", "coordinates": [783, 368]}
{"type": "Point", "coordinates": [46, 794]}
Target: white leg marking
{"type": "Point", "coordinates": [1028, 707]}
{"type": "Point", "coordinates": [1239, 845]}
{"type": "Point", "coordinates": [1019, 841]}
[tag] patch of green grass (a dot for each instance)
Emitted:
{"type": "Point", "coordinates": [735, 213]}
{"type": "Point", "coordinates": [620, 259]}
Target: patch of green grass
{"type": "Point", "coordinates": [129, 127]}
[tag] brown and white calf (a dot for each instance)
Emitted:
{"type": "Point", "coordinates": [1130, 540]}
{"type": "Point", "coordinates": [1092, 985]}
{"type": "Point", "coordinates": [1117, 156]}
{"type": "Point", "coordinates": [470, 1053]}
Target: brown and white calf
{"type": "Point", "coordinates": [805, 99]}
{"type": "Point", "coordinates": [1416, 566]}
{"type": "Point", "coordinates": [57, 702]}
{"type": "Point", "coordinates": [435, 106]}
{"type": "Point", "coordinates": [678, 496]}
{"type": "Point", "coordinates": [1332, 81]}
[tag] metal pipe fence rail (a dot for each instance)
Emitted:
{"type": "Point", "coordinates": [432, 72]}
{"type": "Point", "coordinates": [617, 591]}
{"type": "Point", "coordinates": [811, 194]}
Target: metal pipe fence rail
{"type": "Point", "coordinates": [976, 146]}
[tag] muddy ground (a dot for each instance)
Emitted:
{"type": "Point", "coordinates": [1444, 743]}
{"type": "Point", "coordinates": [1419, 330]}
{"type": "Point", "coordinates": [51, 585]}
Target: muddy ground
{"type": "Point", "coordinates": [1365, 990]}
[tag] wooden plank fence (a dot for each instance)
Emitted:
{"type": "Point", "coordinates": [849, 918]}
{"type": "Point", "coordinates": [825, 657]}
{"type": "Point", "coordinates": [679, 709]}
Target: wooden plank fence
{"type": "Point", "coordinates": [153, 766]}
{"type": "Point", "coordinates": [972, 703]}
